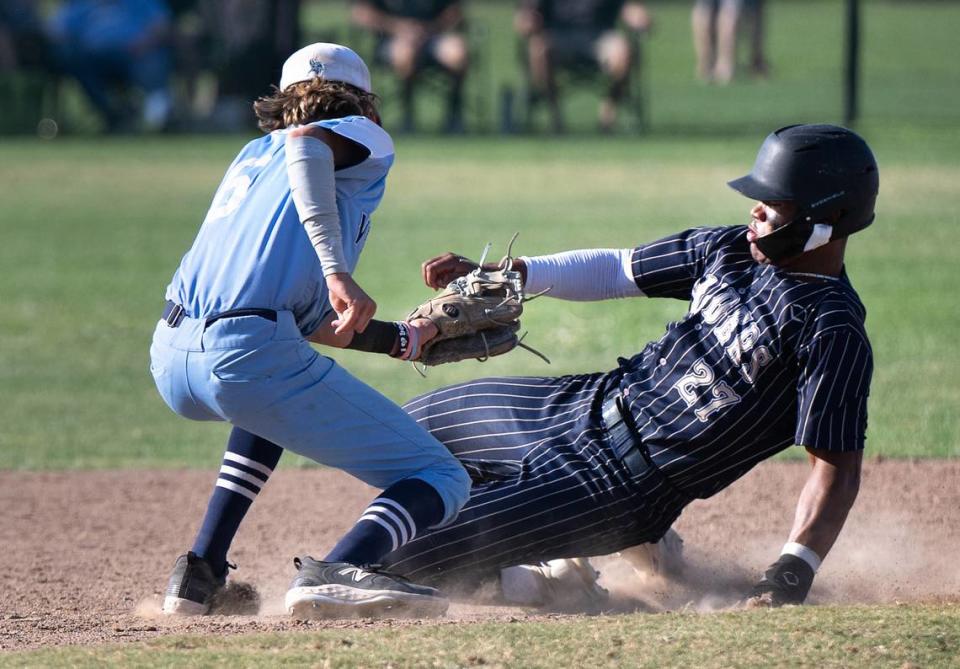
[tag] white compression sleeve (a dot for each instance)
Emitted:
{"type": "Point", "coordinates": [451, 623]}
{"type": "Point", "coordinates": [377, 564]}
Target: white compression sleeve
{"type": "Point", "coordinates": [313, 187]}
{"type": "Point", "coordinates": [588, 274]}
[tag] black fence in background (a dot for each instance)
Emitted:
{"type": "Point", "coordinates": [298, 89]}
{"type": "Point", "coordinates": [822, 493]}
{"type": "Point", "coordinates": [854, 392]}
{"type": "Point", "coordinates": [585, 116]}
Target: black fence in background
{"type": "Point", "coordinates": [903, 71]}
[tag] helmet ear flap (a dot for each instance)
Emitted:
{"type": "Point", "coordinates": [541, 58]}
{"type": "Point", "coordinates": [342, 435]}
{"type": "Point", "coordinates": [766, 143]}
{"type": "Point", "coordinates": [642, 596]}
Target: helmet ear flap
{"type": "Point", "coordinates": [787, 241]}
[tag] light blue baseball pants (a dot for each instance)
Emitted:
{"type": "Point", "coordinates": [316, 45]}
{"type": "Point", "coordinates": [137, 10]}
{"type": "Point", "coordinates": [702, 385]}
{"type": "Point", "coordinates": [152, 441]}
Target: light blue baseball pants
{"type": "Point", "coordinates": [263, 377]}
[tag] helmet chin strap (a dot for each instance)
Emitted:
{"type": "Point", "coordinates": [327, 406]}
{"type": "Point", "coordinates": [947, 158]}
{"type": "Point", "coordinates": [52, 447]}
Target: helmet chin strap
{"type": "Point", "coordinates": [798, 236]}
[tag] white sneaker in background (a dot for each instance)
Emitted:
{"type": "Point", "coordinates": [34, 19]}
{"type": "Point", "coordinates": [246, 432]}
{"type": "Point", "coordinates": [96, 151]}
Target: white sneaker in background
{"type": "Point", "coordinates": [563, 583]}
{"type": "Point", "coordinates": [664, 558]}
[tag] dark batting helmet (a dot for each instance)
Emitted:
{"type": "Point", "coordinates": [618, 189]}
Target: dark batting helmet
{"type": "Point", "coordinates": [827, 171]}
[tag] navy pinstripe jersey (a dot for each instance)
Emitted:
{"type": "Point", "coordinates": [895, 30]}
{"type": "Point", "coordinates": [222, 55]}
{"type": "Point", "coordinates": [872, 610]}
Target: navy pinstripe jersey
{"type": "Point", "coordinates": [763, 359]}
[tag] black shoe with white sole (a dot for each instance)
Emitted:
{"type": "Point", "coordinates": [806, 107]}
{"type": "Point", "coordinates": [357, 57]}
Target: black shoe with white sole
{"type": "Point", "coordinates": [342, 590]}
{"type": "Point", "coordinates": [192, 586]}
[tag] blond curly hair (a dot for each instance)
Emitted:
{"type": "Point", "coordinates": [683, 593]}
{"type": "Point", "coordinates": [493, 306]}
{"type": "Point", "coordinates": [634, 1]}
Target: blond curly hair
{"type": "Point", "coordinates": [313, 100]}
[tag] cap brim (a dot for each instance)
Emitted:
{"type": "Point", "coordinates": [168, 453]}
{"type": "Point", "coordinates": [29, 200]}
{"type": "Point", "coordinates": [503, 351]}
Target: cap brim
{"type": "Point", "coordinates": [749, 186]}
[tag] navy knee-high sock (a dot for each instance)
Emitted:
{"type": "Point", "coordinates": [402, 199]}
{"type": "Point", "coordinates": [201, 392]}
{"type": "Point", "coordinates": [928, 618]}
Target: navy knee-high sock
{"type": "Point", "coordinates": [247, 464]}
{"type": "Point", "coordinates": [395, 517]}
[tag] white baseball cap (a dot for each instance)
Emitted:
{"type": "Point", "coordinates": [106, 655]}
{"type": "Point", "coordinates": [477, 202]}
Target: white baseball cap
{"type": "Point", "coordinates": [323, 60]}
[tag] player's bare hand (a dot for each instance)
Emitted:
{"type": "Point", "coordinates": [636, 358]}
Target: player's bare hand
{"type": "Point", "coordinates": [426, 329]}
{"type": "Point", "coordinates": [353, 306]}
{"type": "Point", "coordinates": [441, 270]}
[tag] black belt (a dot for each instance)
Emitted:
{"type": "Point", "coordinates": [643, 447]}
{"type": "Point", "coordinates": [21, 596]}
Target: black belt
{"type": "Point", "coordinates": [173, 313]}
{"type": "Point", "coordinates": [626, 444]}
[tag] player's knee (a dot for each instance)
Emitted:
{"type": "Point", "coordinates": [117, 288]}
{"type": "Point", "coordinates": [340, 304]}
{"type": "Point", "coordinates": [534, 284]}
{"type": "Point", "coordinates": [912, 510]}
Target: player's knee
{"type": "Point", "coordinates": [403, 57]}
{"type": "Point", "coordinates": [460, 484]}
{"type": "Point", "coordinates": [452, 483]}
{"type": "Point", "coordinates": [614, 55]}
{"type": "Point", "coordinates": [452, 53]}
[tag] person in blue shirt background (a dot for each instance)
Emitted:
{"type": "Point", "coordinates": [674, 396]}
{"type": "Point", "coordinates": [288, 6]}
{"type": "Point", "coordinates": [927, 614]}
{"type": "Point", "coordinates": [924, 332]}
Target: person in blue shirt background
{"type": "Point", "coordinates": [269, 272]}
{"type": "Point", "coordinates": [108, 42]}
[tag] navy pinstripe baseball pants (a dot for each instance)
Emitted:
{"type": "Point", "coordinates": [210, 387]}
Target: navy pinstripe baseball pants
{"type": "Point", "coordinates": [546, 482]}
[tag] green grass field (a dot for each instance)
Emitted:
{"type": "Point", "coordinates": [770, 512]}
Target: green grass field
{"type": "Point", "coordinates": [99, 228]}
{"type": "Point", "coordinates": [876, 637]}
{"type": "Point", "coordinates": [91, 230]}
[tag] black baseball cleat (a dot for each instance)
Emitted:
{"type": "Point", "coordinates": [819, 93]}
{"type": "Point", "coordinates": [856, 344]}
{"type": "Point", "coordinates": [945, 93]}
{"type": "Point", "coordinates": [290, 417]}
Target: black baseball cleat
{"type": "Point", "coordinates": [343, 590]}
{"type": "Point", "coordinates": [192, 586]}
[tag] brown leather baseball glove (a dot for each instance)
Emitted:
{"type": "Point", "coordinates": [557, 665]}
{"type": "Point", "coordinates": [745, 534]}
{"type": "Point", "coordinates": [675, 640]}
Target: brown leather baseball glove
{"type": "Point", "coordinates": [477, 315]}
{"type": "Point", "coordinates": [480, 346]}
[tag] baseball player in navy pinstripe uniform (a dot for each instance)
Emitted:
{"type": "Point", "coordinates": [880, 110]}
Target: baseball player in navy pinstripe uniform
{"type": "Point", "coordinates": [772, 352]}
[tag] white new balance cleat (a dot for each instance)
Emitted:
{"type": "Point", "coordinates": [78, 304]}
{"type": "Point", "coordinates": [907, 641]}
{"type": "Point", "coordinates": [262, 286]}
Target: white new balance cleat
{"type": "Point", "coordinates": [342, 590]}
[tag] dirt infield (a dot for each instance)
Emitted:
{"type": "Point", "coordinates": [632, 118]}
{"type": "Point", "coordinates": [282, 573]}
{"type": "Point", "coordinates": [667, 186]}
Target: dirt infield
{"type": "Point", "coordinates": [85, 555]}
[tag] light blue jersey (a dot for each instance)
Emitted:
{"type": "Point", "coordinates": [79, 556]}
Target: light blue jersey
{"type": "Point", "coordinates": [256, 370]}
{"type": "Point", "coordinates": [252, 252]}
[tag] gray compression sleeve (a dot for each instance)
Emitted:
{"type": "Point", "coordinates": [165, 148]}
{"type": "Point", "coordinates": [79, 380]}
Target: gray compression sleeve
{"type": "Point", "coordinates": [310, 169]}
{"type": "Point", "coordinates": [584, 275]}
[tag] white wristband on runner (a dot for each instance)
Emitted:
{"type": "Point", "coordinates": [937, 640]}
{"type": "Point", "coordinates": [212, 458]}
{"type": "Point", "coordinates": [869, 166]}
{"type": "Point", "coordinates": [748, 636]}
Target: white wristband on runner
{"type": "Point", "coordinates": [802, 552]}
{"type": "Point", "coordinates": [310, 169]}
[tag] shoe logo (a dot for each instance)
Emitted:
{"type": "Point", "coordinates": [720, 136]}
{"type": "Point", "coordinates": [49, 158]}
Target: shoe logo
{"type": "Point", "coordinates": [356, 573]}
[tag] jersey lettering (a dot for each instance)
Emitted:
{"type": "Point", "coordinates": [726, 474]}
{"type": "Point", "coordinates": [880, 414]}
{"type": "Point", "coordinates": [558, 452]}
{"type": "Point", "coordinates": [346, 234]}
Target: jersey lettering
{"type": "Point", "coordinates": [727, 328]}
{"type": "Point", "coordinates": [723, 395]}
{"type": "Point", "coordinates": [699, 293]}
{"type": "Point", "coordinates": [699, 375]}
{"type": "Point", "coordinates": [363, 228]}
{"type": "Point", "coordinates": [760, 359]}
{"type": "Point", "coordinates": [235, 187]}
{"type": "Point", "coordinates": [712, 298]}
{"type": "Point", "coordinates": [743, 343]}
{"type": "Point", "coordinates": [717, 307]}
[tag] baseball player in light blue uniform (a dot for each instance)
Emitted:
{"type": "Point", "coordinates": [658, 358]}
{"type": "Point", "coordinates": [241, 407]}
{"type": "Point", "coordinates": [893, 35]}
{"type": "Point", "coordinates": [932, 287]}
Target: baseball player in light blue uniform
{"type": "Point", "coordinates": [270, 271]}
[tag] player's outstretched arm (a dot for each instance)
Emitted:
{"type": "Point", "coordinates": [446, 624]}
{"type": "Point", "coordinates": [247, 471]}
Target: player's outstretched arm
{"type": "Point", "coordinates": [584, 275]}
{"type": "Point", "coordinates": [826, 499]}
{"type": "Point", "coordinates": [440, 270]}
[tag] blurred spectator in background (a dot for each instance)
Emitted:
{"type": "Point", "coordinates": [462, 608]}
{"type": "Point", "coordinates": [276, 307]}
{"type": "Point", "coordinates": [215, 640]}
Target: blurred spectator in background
{"type": "Point", "coordinates": [414, 34]}
{"type": "Point", "coordinates": [571, 33]}
{"type": "Point", "coordinates": [23, 43]}
{"type": "Point", "coordinates": [716, 25]}
{"type": "Point", "coordinates": [754, 18]}
{"type": "Point", "coordinates": [247, 42]}
{"type": "Point", "coordinates": [111, 43]}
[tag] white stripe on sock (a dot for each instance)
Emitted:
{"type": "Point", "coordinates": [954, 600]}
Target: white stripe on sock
{"type": "Point", "coordinates": [230, 485]}
{"type": "Point", "coordinates": [252, 464]}
{"type": "Point", "coordinates": [377, 519]}
{"type": "Point", "coordinates": [404, 534]}
{"type": "Point", "coordinates": [240, 474]}
{"type": "Point", "coordinates": [406, 514]}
